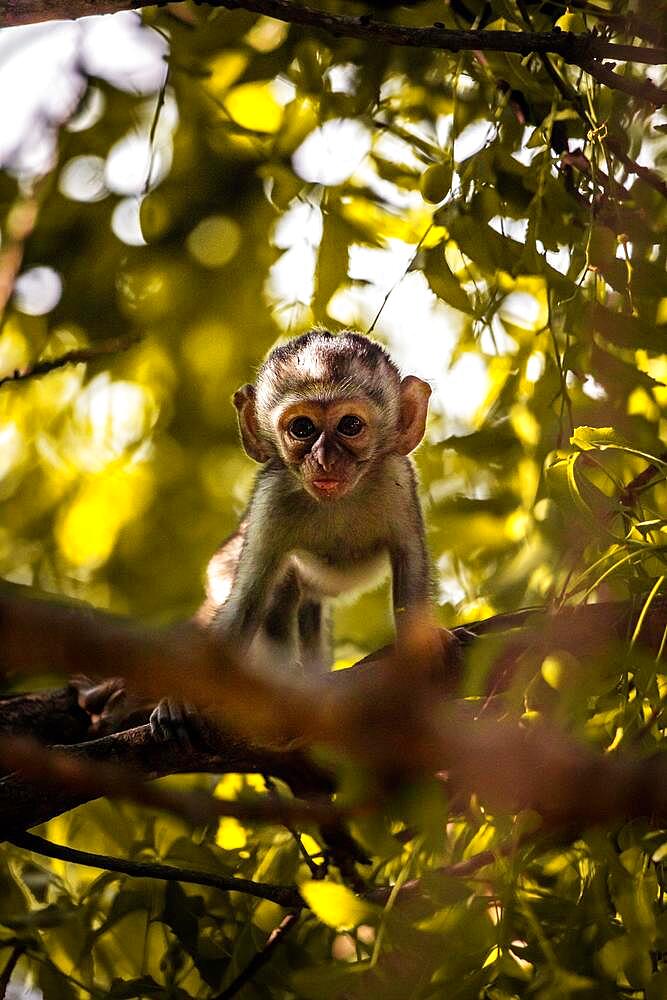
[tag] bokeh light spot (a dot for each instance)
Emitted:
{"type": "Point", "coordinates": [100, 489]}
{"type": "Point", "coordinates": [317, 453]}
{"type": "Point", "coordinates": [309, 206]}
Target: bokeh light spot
{"type": "Point", "coordinates": [37, 291]}
{"type": "Point", "coordinates": [125, 222]}
{"type": "Point", "coordinates": [82, 179]}
{"type": "Point", "coordinates": [331, 153]}
{"type": "Point", "coordinates": [214, 241]}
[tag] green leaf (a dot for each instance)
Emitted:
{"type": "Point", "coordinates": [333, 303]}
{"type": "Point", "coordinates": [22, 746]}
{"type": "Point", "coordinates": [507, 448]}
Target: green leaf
{"type": "Point", "coordinates": [332, 261]}
{"type": "Point", "coordinates": [625, 330]}
{"type": "Point", "coordinates": [597, 438]}
{"type": "Point", "coordinates": [336, 905]}
{"type": "Point", "coordinates": [146, 986]}
{"type": "Point", "coordinates": [53, 983]}
{"type": "Point", "coordinates": [442, 281]}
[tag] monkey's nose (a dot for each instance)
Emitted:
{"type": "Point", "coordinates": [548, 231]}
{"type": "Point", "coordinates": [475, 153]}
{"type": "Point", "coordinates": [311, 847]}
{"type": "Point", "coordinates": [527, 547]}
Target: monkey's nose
{"type": "Point", "coordinates": [323, 454]}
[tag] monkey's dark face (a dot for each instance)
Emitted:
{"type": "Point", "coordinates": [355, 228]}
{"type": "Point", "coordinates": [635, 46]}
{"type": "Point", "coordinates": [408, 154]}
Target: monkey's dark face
{"type": "Point", "coordinates": [328, 445]}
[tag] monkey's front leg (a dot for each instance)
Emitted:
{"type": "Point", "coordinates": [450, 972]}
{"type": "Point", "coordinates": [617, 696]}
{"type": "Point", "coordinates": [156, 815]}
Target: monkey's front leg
{"type": "Point", "coordinates": [236, 621]}
{"type": "Point", "coordinates": [411, 585]}
{"type": "Point", "coordinates": [314, 636]}
{"type": "Point", "coordinates": [239, 618]}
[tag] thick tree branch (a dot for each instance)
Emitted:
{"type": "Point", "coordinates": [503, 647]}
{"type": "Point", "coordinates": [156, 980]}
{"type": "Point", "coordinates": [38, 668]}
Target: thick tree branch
{"type": "Point", "coordinates": [645, 89]}
{"type": "Point", "coordinates": [47, 716]}
{"type": "Point", "coordinates": [392, 713]}
{"type": "Point", "coordinates": [55, 768]}
{"type": "Point", "coordinates": [68, 779]}
{"type": "Point", "coordinates": [580, 50]}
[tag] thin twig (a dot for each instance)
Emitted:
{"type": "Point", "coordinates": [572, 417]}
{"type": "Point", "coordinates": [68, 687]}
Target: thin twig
{"type": "Point", "coordinates": [161, 97]}
{"type": "Point", "coordinates": [399, 280]}
{"type": "Point", "coordinates": [459, 869]}
{"type": "Point", "coordinates": [644, 173]}
{"type": "Point", "coordinates": [8, 970]}
{"type": "Point", "coordinates": [258, 961]}
{"type": "Point", "coordinates": [284, 895]}
{"type": "Point", "coordinates": [316, 870]}
{"type": "Point", "coordinates": [636, 485]}
{"type": "Point", "coordinates": [114, 345]}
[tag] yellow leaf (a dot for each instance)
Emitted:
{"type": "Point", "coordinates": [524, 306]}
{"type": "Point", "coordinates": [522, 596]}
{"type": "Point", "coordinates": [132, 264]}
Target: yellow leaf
{"type": "Point", "coordinates": [230, 836]}
{"type": "Point", "coordinates": [254, 106]}
{"type": "Point", "coordinates": [335, 904]}
{"type": "Point", "coordinates": [309, 844]}
{"type": "Point", "coordinates": [229, 786]}
{"type": "Point", "coordinates": [225, 69]}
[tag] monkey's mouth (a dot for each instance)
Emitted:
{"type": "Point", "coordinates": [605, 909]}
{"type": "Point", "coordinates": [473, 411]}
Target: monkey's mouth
{"type": "Point", "coordinates": [329, 487]}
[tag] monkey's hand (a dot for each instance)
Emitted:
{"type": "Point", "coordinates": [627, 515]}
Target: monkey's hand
{"type": "Point", "coordinates": [175, 720]}
{"type": "Point", "coordinates": [105, 701]}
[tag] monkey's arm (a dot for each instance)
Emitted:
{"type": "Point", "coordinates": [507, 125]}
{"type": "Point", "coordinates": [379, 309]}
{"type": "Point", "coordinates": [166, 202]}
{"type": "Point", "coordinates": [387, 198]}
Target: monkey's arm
{"type": "Point", "coordinates": [241, 615]}
{"type": "Point", "coordinates": [239, 618]}
{"type": "Point", "coordinates": [220, 575]}
{"type": "Point", "coordinates": [410, 568]}
{"type": "Point", "coordinates": [231, 599]}
{"type": "Point", "coordinates": [411, 584]}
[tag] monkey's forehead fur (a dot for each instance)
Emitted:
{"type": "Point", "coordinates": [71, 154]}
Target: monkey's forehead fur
{"type": "Point", "coordinates": [324, 365]}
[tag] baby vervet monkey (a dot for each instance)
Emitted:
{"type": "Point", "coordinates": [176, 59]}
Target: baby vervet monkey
{"type": "Point", "coordinates": [335, 502]}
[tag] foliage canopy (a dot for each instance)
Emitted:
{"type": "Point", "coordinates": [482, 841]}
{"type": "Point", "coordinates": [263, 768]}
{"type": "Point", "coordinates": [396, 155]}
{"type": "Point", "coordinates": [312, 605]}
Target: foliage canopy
{"type": "Point", "coordinates": [499, 220]}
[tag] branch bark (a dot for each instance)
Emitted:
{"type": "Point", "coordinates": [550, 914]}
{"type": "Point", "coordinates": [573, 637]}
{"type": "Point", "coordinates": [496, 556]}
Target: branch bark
{"type": "Point", "coordinates": [585, 50]}
{"type": "Point", "coordinates": [32, 795]}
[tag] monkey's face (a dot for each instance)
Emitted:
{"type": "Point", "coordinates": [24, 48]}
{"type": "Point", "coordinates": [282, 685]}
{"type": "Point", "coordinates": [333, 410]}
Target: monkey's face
{"type": "Point", "coordinates": [328, 446]}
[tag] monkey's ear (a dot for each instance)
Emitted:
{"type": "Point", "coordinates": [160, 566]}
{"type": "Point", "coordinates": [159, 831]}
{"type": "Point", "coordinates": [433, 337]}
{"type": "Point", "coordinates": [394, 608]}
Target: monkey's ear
{"type": "Point", "coordinates": [244, 401]}
{"type": "Point", "coordinates": [412, 417]}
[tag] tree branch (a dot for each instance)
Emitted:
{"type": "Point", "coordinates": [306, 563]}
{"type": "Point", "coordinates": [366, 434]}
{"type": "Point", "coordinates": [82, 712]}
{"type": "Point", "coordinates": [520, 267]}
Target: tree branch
{"type": "Point", "coordinates": [284, 895]}
{"type": "Point", "coordinates": [8, 970]}
{"type": "Point", "coordinates": [393, 713]}
{"type": "Point", "coordinates": [645, 174]}
{"type": "Point", "coordinates": [56, 768]}
{"type": "Point", "coordinates": [68, 778]}
{"type": "Point", "coordinates": [644, 90]}
{"type": "Point", "coordinates": [579, 50]}
{"type": "Point", "coordinates": [275, 938]}
{"type": "Point", "coordinates": [102, 349]}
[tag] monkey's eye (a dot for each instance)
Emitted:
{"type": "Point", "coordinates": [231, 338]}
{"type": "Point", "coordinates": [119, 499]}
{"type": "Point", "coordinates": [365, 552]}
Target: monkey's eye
{"type": "Point", "coordinates": [350, 426]}
{"type": "Point", "coordinates": [302, 428]}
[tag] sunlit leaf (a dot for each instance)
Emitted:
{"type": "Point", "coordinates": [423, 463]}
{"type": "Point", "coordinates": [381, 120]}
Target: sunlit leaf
{"type": "Point", "coordinates": [336, 905]}
{"type": "Point", "coordinates": [254, 106]}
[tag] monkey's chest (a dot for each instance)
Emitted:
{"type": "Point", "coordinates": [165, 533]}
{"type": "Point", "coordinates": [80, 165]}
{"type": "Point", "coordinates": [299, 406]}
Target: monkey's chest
{"type": "Point", "coordinates": [329, 578]}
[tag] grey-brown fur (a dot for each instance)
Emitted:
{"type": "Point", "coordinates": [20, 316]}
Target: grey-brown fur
{"type": "Point", "coordinates": [296, 547]}
{"type": "Point", "coordinates": [348, 361]}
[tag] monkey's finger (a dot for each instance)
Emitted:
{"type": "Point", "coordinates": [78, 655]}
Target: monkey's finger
{"type": "Point", "coordinates": [179, 715]}
{"type": "Point", "coordinates": [168, 722]}
{"type": "Point", "coordinates": [160, 722]}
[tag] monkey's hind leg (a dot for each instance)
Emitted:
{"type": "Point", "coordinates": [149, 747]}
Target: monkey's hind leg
{"type": "Point", "coordinates": [314, 636]}
{"type": "Point", "coordinates": [276, 644]}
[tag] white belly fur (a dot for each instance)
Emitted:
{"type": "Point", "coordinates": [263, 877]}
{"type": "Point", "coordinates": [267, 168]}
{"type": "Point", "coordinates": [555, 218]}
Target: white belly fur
{"type": "Point", "coordinates": [330, 581]}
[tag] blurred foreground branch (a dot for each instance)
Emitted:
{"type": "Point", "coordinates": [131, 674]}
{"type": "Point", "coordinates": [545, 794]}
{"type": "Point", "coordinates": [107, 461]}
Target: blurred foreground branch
{"type": "Point", "coordinates": [393, 713]}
